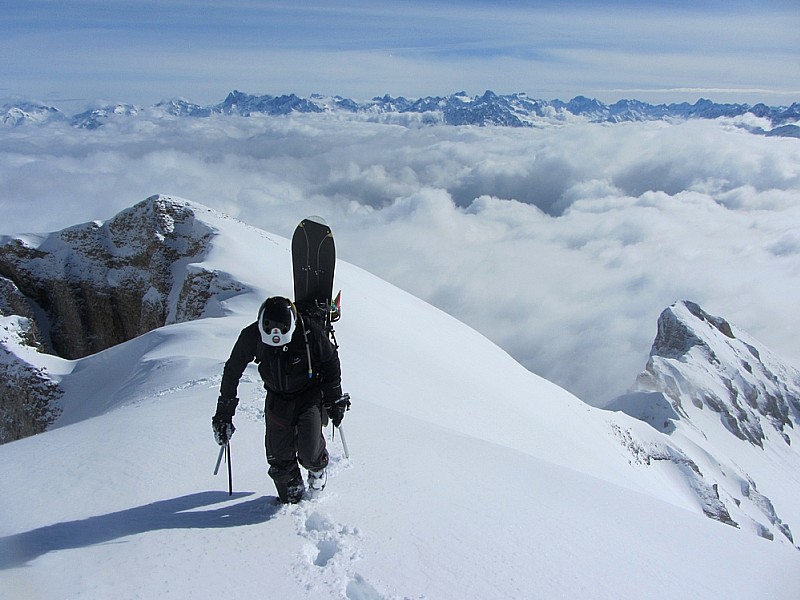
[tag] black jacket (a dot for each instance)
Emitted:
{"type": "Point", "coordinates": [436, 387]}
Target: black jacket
{"type": "Point", "coordinates": [285, 369]}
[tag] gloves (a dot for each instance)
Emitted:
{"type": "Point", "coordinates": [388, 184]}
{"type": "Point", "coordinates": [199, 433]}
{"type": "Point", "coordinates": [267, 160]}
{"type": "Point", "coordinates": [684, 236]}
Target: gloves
{"type": "Point", "coordinates": [337, 408]}
{"type": "Point", "coordinates": [222, 421]}
{"type": "Point", "coordinates": [223, 430]}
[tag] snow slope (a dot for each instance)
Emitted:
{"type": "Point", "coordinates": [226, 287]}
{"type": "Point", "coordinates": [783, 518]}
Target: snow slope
{"type": "Point", "coordinates": [469, 476]}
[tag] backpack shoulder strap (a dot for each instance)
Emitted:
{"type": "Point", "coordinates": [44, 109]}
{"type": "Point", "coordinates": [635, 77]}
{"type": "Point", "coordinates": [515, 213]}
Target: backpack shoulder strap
{"type": "Point", "coordinates": [308, 348]}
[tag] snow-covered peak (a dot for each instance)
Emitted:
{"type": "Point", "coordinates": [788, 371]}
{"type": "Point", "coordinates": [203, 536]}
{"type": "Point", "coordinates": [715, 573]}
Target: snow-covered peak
{"type": "Point", "coordinates": [180, 107]}
{"type": "Point", "coordinates": [28, 112]}
{"type": "Point", "coordinates": [701, 362]}
{"type": "Point", "coordinates": [97, 117]}
{"type": "Point", "coordinates": [730, 410]}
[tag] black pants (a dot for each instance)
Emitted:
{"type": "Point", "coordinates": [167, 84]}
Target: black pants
{"type": "Point", "coordinates": [294, 434]}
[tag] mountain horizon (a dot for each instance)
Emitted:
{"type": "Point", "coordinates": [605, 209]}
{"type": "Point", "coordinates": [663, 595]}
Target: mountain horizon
{"type": "Point", "coordinates": [459, 108]}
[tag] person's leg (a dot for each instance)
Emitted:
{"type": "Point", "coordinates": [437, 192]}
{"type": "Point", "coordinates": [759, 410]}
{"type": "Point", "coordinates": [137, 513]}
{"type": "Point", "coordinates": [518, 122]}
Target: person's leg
{"type": "Point", "coordinates": [281, 451]}
{"type": "Point", "coordinates": [311, 450]}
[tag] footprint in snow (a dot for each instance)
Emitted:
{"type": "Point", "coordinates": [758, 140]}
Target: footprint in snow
{"type": "Point", "coordinates": [359, 589]}
{"type": "Point", "coordinates": [327, 559]}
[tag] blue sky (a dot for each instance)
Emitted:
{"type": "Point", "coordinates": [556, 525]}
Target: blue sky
{"type": "Point", "coordinates": [148, 50]}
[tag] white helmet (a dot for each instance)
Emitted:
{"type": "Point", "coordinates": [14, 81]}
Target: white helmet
{"type": "Point", "coordinates": [277, 319]}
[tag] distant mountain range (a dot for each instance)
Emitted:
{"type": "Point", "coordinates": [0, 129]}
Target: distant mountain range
{"type": "Point", "coordinates": [489, 109]}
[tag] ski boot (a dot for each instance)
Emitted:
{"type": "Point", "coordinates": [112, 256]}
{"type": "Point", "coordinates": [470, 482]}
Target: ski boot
{"type": "Point", "coordinates": [317, 480]}
{"type": "Point", "coordinates": [292, 493]}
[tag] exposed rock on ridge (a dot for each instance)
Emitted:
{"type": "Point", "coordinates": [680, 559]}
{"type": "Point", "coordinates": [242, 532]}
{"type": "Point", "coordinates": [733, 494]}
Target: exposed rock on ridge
{"type": "Point", "coordinates": [724, 402]}
{"type": "Point", "coordinates": [98, 285]}
{"type": "Point", "coordinates": [92, 286]}
{"type": "Point", "coordinates": [697, 356]}
{"type": "Point", "coordinates": [28, 393]}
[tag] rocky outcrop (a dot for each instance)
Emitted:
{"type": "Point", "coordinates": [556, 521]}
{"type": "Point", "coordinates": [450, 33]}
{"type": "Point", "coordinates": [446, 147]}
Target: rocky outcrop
{"type": "Point", "coordinates": [92, 286]}
{"type": "Point", "coordinates": [649, 454]}
{"type": "Point", "coordinates": [29, 395]}
{"type": "Point", "coordinates": [100, 284]}
{"type": "Point", "coordinates": [711, 385]}
{"type": "Point", "coordinates": [697, 357]}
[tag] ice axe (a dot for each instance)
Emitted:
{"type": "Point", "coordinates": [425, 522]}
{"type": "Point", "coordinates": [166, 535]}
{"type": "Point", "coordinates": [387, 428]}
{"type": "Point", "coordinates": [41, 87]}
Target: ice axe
{"type": "Point", "coordinates": [344, 400]}
{"type": "Point", "coordinates": [344, 441]}
{"type": "Point", "coordinates": [226, 450]}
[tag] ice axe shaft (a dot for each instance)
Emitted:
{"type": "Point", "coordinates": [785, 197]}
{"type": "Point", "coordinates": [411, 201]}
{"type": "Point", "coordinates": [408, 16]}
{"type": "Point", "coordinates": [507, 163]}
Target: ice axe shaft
{"type": "Point", "coordinates": [225, 450]}
{"type": "Point", "coordinates": [344, 441]}
{"type": "Point", "coordinates": [219, 459]}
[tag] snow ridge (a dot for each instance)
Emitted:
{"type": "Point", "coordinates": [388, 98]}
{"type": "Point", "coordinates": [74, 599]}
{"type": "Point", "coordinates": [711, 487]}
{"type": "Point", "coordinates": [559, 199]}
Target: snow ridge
{"type": "Point", "coordinates": [469, 476]}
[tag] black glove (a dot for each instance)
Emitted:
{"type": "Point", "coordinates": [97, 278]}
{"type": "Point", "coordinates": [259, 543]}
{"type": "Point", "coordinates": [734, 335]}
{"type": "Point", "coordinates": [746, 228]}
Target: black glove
{"type": "Point", "coordinates": [337, 408]}
{"type": "Point", "coordinates": [222, 421]}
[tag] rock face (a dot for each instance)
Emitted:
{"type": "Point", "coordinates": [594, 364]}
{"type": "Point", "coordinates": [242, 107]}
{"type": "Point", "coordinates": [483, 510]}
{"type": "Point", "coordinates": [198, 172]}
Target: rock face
{"type": "Point", "coordinates": [697, 358]}
{"type": "Point", "coordinates": [92, 286]}
{"type": "Point", "coordinates": [728, 409]}
{"type": "Point", "coordinates": [29, 395]}
{"type": "Point", "coordinates": [97, 285]}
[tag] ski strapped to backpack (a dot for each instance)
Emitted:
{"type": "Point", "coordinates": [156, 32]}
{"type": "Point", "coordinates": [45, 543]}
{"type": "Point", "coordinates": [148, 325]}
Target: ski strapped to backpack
{"type": "Point", "coordinates": [313, 265]}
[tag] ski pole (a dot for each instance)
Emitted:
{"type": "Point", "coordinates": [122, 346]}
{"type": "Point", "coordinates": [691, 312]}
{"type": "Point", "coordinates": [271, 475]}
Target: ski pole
{"type": "Point", "coordinates": [230, 478]}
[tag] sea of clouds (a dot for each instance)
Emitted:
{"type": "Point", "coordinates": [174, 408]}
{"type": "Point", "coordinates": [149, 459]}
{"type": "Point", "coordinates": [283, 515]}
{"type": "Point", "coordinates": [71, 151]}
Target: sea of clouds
{"type": "Point", "coordinates": [562, 243]}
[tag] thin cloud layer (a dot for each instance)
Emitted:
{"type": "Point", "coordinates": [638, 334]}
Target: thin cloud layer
{"type": "Point", "coordinates": [562, 244]}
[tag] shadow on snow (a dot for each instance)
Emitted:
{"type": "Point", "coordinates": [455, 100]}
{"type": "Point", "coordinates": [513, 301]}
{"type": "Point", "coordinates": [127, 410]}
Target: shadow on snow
{"type": "Point", "coordinates": [176, 513]}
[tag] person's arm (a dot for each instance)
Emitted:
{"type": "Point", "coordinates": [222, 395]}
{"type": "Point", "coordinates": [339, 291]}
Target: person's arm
{"type": "Point", "coordinates": [333, 400]}
{"type": "Point", "coordinates": [243, 353]}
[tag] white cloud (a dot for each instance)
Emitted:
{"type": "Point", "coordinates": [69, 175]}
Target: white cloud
{"type": "Point", "coordinates": [562, 245]}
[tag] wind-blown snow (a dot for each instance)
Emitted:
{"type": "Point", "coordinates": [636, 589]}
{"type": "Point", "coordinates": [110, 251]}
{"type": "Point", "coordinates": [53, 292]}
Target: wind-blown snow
{"type": "Point", "coordinates": [469, 476]}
